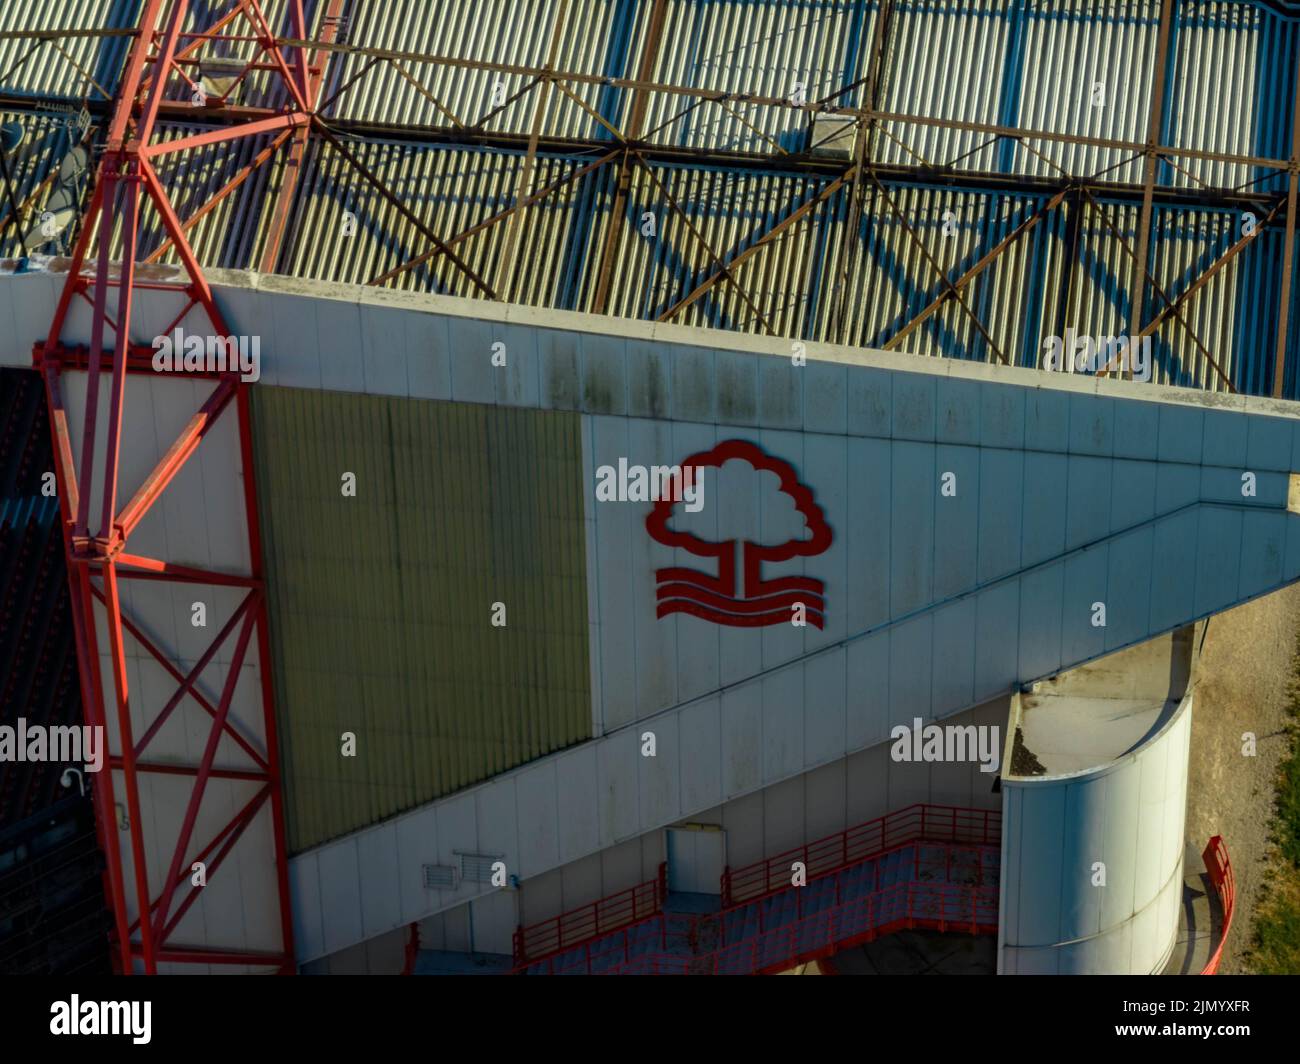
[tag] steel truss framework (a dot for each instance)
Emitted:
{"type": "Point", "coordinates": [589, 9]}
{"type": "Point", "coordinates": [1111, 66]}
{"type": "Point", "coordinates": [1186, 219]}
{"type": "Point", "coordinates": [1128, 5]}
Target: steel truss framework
{"type": "Point", "coordinates": [165, 55]}
{"type": "Point", "coordinates": [97, 543]}
{"type": "Point", "coordinates": [863, 180]}
{"type": "Point", "coordinates": [1151, 306]}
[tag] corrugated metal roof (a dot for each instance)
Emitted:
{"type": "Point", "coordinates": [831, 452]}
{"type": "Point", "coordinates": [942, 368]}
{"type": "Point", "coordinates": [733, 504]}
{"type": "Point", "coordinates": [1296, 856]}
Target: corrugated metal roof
{"type": "Point", "coordinates": [998, 62]}
{"type": "Point", "coordinates": [1227, 58]}
{"type": "Point", "coordinates": [90, 67]}
{"type": "Point", "coordinates": [450, 190]}
{"type": "Point", "coordinates": [895, 273]}
{"type": "Point", "coordinates": [381, 604]}
{"type": "Point", "coordinates": [591, 38]}
{"type": "Point", "coordinates": [722, 213]}
{"type": "Point", "coordinates": [795, 284]}
{"type": "Point", "coordinates": [766, 49]}
{"type": "Point", "coordinates": [985, 61]}
{"type": "Point", "coordinates": [257, 88]}
{"type": "Point", "coordinates": [1085, 69]}
{"type": "Point", "coordinates": [73, 67]}
{"type": "Point", "coordinates": [228, 234]}
{"type": "Point", "coordinates": [948, 60]}
{"type": "Point", "coordinates": [993, 61]}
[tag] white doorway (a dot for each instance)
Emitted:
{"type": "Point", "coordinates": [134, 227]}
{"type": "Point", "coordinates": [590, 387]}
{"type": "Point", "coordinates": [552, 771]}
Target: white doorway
{"type": "Point", "coordinates": [697, 854]}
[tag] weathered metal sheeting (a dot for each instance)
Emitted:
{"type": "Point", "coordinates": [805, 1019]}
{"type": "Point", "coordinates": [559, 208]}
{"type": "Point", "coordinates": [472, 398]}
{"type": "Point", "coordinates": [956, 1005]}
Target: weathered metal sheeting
{"type": "Point", "coordinates": [1233, 71]}
{"type": "Point", "coordinates": [911, 238]}
{"type": "Point", "coordinates": [219, 66]}
{"type": "Point", "coordinates": [450, 191]}
{"type": "Point", "coordinates": [1231, 66]}
{"type": "Point", "coordinates": [682, 221]}
{"type": "Point", "coordinates": [1086, 69]}
{"type": "Point", "coordinates": [588, 37]}
{"type": "Point", "coordinates": [808, 50]}
{"type": "Point", "coordinates": [381, 604]}
{"type": "Point", "coordinates": [70, 67]}
{"type": "Point", "coordinates": [1082, 68]}
{"type": "Point", "coordinates": [233, 228]}
{"type": "Point", "coordinates": [86, 66]}
{"type": "Point", "coordinates": [947, 60]}
{"type": "Point", "coordinates": [812, 283]}
{"type": "Point", "coordinates": [990, 61]}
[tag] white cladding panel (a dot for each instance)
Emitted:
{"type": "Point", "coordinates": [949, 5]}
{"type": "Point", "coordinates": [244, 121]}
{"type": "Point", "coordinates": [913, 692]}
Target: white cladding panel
{"type": "Point", "coordinates": [1019, 557]}
{"type": "Point", "coordinates": [1128, 816]}
{"type": "Point", "coordinates": [1069, 491]}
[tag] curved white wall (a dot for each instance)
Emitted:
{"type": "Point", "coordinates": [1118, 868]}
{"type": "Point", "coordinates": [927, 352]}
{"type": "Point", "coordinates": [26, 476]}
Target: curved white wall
{"type": "Point", "coordinates": [1129, 815]}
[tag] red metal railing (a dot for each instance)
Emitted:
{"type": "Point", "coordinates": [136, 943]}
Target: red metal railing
{"type": "Point", "coordinates": [1225, 885]}
{"type": "Point", "coordinates": [587, 924]}
{"type": "Point", "coordinates": [412, 949]}
{"type": "Point", "coordinates": [903, 906]}
{"type": "Point", "coordinates": [602, 956]}
{"type": "Point", "coordinates": [923, 822]}
{"type": "Point", "coordinates": [591, 921]}
{"type": "Point", "coordinates": [616, 948]}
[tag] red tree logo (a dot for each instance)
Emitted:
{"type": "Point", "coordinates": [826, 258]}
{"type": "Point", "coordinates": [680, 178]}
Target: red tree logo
{"type": "Point", "coordinates": [760, 602]}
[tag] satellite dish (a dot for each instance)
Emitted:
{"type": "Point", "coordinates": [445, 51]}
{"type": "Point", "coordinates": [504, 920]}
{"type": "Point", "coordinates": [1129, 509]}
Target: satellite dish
{"type": "Point", "coordinates": [63, 205]}
{"type": "Point", "coordinates": [59, 211]}
{"type": "Point", "coordinates": [74, 165]}
{"type": "Point", "coordinates": [11, 135]}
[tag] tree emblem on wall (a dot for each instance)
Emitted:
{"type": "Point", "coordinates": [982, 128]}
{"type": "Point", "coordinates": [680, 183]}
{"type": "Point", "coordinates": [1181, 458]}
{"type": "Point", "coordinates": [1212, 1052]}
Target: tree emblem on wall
{"type": "Point", "coordinates": [738, 594]}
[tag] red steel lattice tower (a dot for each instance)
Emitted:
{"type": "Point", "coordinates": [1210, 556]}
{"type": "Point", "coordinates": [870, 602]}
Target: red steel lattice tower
{"type": "Point", "coordinates": [98, 526]}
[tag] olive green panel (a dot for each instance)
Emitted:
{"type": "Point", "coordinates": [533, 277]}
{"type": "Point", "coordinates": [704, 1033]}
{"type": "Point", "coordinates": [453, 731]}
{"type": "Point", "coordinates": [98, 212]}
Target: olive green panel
{"type": "Point", "coordinates": [381, 604]}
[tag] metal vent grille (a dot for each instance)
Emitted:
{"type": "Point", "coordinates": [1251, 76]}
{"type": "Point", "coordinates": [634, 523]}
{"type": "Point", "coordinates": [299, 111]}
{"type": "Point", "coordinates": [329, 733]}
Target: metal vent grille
{"type": "Point", "coordinates": [477, 867]}
{"type": "Point", "coordinates": [439, 876]}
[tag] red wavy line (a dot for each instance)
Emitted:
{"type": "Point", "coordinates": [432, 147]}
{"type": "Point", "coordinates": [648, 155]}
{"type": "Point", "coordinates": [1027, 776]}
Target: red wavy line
{"type": "Point", "coordinates": [749, 620]}
{"type": "Point", "coordinates": [764, 604]}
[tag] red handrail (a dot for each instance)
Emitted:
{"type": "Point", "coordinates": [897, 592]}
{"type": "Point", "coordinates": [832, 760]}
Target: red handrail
{"type": "Point", "coordinates": [1224, 882]}
{"type": "Point", "coordinates": [691, 926]}
{"type": "Point", "coordinates": [903, 906]}
{"type": "Point", "coordinates": [921, 821]}
{"type": "Point", "coordinates": [412, 950]}
{"type": "Point", "coordinates": [624, 910]}
{"type": "Point", "coordinates": [591, 921]}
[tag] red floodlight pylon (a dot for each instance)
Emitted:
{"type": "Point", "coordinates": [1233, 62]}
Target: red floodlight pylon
{"type": "Point", "coordinates": [97, 529]}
